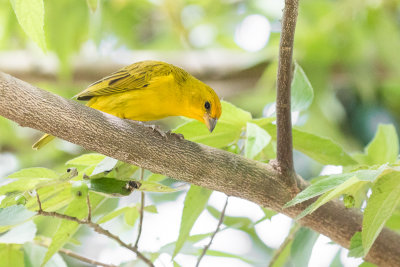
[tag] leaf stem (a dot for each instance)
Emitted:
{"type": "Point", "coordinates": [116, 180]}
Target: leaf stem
{"type": "Point", "coordinates": [221, 219]}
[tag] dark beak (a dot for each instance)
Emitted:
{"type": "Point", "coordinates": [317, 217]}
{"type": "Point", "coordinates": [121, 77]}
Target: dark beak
{"type": "Point", "coordinates": [210, 122]}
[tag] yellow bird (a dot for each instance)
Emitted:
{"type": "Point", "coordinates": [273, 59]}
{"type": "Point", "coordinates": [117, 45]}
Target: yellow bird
{"type": "Point", "coordinates": [151, 90]}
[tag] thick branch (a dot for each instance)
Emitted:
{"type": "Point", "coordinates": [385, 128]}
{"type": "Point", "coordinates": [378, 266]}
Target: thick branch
{"type": "Point", "coordinates": [284, 153]}
{"type": "Point", "coordinates": [184, 160]}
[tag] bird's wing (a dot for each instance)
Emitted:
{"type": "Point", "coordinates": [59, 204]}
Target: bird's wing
{"type": "Point", "coordinates": [132, 77]}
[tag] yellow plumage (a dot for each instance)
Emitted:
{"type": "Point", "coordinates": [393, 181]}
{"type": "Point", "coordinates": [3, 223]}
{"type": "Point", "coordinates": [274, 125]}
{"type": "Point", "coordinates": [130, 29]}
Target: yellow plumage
{"type": "Point", "coordinates": [151, 90]}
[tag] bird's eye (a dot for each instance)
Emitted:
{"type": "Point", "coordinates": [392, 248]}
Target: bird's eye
{"type": "Point", "coordinates": [207, 105]}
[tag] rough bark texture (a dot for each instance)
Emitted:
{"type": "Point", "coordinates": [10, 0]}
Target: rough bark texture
{"type": "Point", "coordinates": [184, 160]}
{"type": "Point", "coordinates": [284, 151]}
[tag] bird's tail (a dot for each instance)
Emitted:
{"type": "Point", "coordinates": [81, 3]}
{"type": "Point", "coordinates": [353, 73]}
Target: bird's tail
{"type": "Point", "coordinates": [44, 140]}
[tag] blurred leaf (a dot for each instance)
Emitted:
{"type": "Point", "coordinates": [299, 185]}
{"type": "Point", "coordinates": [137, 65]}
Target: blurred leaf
{"type": "Point", "coordinates": [149, 186]}
{"type": "Point", "coordinates": [269, 213]}
{"type": "Point", "coordinates": [321, 149]}
{"type": "Point", "coordinates": [384, 148]}
{"type": "Point", "coordinates": [333, 181]}
{"type": "Point", "coordinates": [106, 165]}
{"type": "Point", "coordinates": [367, 264]}
{"type": "Point", "coordinates": [155, 177]}
{"type": "Point", "coordinates": [356, 248]}
{"type": "Point", "coordinates": [113, 214]}
{"type": "Point", "coordinates": [228, 129]}
{"type": "Point", "coordinates": [383, 201]}
{"type": "Point", "coordinates": [302, 91]}
{"type": "Point", "coordinates": [194, 204]}
{"type": "Point", "coordinates": [256, 139]}
{"type": "Point", "coordinates": [238, 222]}
{"type": "Point", "coordinates": [92, 4]}
{"type": "Point", "coordinates": [151, 209]}
{"type": "Point", "coordinates": [33, 173]}
{"type": "Point", "coordinates": [34, 254]}
{"type": "Point", "coordinates": [30, 15]}
{"type": "Point", "coordinates": [66, 229]}
{"type": "Point", "coordinates": [347, 187]}
{"type": "Point", "coordinates": [86, 160]}
{"type": "Point", "coordinates": [336, 262]}
{"type": "Point", "coordinates": [20, 185]}
{"type": "Point", "coordinates": [110, 187]}
{"type": "Point", "coordinates": [131, 216]}
{"type": "Point", "coordinates": [394, 221]}
{"type": "Point", "coordinates": [14, 215]}
{"type": "Point", "coordinates": [20, 234]}
{"type": "Point", "coordinates": [11, 255]}
{"type": "Point", "coordinates": [302, 246]}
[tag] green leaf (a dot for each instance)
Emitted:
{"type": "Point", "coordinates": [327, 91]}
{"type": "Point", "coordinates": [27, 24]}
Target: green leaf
{"type": "Point", "coordinates": [30, 15]}
{"type": "Point", "coordinates": [149, 186]}
{"type": "Point", "coordinates": [106, 165]}
{"type": "Point", "coordinates": [66, 229]}
{"type": "Point", "coordinates": [21, 185]}
{"type": "Point", "coordinates": [384, 148]}
{"type": "Point", "coordinates": [34, 173]}
{"type": "Point", "coordinates": [356, 248]}
{"type": "Point", "coordinates": [302, 91]}
{"type": "Point", "coordinates": [256, 139]}
{"type": "Point", "coordinates": [112, 215]}
{"type": "Point", "coordinates": [268, 213]}
{"type": "Point", "coordinates": [15, 215]}
{"type": "Point", "coordinates": [92, 4]}
{"type": "Point", "coordinates": [11, 255]}
{"type": "Point", "coordinates": [302, 246]}
{"type": "Point", "coordinates": [227, 131]}
{"type": "Point", "coordinates": [194, 204]}
{"type": "Point", "coordinates": [34, 255]}
{"type": "Point", "coordinates": [321, 149]}
{"type": "Point", "coordinates": [383, 201]}
{"type": "Point", "coordinates": [242, 223]}
{"type": "Point", "coordinates": [20, 234]}
{"type": "Point", "coordinates": [86, 160]}
{"type": "Point", "coordinates": [331, 182]}
{"type": "Point", "coordinates": [151, 209]}
{"type": "Point", "coordinates": [110, 187]}
{"type": "Point", "coordinates": [131, 216]}
{"type": "Point", "coordinates": [347, 187]}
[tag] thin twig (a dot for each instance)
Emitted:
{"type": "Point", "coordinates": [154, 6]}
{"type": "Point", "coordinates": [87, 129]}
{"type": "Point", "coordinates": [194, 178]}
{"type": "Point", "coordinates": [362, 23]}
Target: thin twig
{"type": "Point", "coordinates": [95, 227]}
{"type": "Point", "coordinates": [221, 219]}
{"type": "Point", "coordinates": [283, 109]}
{"type": "Point", "coordinates": [89, 217]}
{"type": "Point", "coordinates": [38, 201]}
{"type": "Point", "coordinates": [77, 256]}
{"type": "Point", "coordinates": [141, 211]}
{"type": "Point", "coordinates": [286, 242]}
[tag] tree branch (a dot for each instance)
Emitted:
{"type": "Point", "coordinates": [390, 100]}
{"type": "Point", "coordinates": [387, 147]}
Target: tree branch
{"type": "Point", "coordinates": [95, 227]}
{"type": "Point", "coordinates": [77, 256]}
{"type": "Point", "coordinates": [284, 145]}
{"type": "Point", "coordinates": [183, 160]}
{"type": "Point", "coordinates": [141, 212]}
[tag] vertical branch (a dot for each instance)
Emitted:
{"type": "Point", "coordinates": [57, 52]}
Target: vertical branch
{"type": "Point", "coordinates": [284, 79]}
{"type": "Point", "coordinates": [141, 211]}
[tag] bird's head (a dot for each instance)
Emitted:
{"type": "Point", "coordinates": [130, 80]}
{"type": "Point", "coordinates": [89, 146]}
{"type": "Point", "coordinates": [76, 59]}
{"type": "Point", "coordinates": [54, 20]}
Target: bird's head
{"type": "Point", "coordinates": [204, 105]}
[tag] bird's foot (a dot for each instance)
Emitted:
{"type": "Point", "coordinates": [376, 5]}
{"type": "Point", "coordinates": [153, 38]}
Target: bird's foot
{"type": "Point", "coordinates": [177, 135]}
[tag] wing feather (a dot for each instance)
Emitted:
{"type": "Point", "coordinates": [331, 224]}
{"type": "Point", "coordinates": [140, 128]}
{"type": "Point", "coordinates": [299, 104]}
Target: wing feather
{"type": "Point", "coordinates": [132, 77]}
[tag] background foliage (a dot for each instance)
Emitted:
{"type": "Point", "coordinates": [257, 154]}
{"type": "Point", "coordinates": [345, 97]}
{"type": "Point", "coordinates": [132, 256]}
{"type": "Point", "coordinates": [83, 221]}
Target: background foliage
{"type": "Point", "coordinates": [348, 49]}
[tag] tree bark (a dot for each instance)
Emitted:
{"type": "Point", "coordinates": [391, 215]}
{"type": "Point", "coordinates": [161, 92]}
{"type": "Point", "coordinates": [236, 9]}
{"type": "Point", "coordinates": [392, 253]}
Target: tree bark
{"type": "Point", "coordinates": [284, 143]}
{"type": "Point", "coordinates": [181, 159]}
